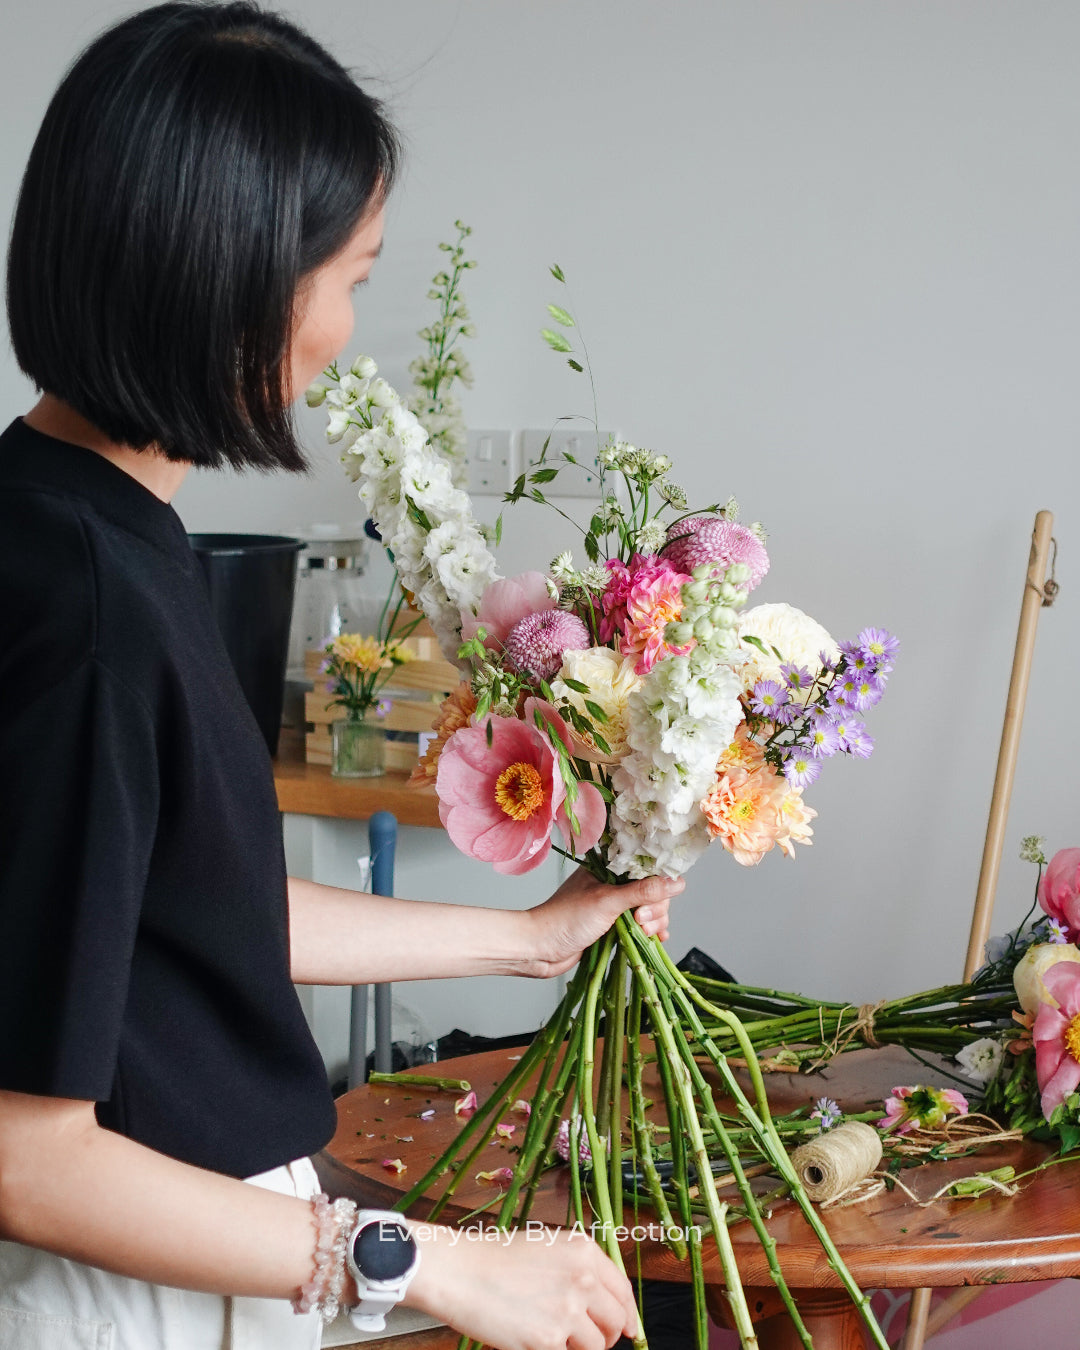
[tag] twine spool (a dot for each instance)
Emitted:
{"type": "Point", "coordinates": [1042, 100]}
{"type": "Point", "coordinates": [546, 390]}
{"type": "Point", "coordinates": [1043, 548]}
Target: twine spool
{"type": "Point", "coordinates": [833, 1163]}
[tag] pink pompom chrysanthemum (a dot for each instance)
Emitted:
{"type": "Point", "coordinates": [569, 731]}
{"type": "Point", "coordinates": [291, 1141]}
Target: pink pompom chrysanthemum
{"type": "Point", "coordinates": [705, 539]}
{"type": "Point", "coordinates": [536, 643]}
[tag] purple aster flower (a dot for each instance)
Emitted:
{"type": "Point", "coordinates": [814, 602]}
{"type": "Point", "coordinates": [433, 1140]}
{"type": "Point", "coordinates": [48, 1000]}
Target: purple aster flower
{"type": "Point", "coordinates": [827, 1113]}
{"type": "Point", "coordinates": [767, 697]}
{"type": "Point", "coordinates": [787, 713]}
{"type": "Point", "coordinates": [1057, 931]}
{"type": "Point", "coordinates": [881, 647]}
{"type": "Point", "coordinates": [536, 643]}
{"type": "Point", "coordinates": [799, 768]}
{"type": "Point", "coordinates": [860, 742]}
{"type": "Point", "coordinates": [842, 693]}
{"type": "Point", "coordinates": [825, 661]}
{"type": "Point", "coordinates": [704, 539]}
{"type": "Point", "coordinates": [796, 677]}
{"type": "Point", "coordinates": [868, 690]}
{"type": "Point", "coordinates": [853, 659]}
{"type": "Point", "coordinates": [383, 707]}
{"type": "Point", "coordinates": [848, 730]}
{"type": "Point", "coordinates": [823, 739]}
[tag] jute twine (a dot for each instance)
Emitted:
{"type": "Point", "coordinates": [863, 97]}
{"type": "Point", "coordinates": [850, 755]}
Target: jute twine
{"type": "Point", "coordinates": [838, 1160]}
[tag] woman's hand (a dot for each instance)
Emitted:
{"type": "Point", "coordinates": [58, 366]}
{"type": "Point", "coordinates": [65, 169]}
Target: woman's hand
{"type": "Point", "coordinates": [534, 1289]}
{"type": "Point", "coordinates": [583, 909]}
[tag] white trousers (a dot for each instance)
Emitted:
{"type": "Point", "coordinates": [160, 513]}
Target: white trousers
{"type": "Point", "coordinates": [49, 1303]}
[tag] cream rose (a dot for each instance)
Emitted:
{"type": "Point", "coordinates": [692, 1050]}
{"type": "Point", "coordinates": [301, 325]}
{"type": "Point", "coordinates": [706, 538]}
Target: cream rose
{"type": "Point", "coordinates": [611, 680]}
{"type": "Point", "coordinates": [795, 635]}
{"type": "Point", "coordinates": [1036, 961]}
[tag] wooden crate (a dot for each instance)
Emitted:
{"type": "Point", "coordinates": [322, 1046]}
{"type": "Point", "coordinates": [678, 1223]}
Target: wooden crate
{"type": "Point", "coordinates": [415, 691]}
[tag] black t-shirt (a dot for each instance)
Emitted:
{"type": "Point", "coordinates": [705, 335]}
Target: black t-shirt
{"type": "Point", "coordinates": [143, 911]}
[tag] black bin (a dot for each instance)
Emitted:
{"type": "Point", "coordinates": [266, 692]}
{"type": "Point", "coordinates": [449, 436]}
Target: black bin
{"type": "Point", "coordinates": [251, 578]}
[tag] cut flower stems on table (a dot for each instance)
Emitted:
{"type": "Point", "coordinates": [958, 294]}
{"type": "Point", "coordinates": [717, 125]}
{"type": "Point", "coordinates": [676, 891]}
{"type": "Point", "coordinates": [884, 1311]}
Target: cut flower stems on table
{"type": "Point", "coordinates": [624, 701]}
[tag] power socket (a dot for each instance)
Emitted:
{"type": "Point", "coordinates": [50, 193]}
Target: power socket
{"type": "Point", "coordinates": [574, 480]}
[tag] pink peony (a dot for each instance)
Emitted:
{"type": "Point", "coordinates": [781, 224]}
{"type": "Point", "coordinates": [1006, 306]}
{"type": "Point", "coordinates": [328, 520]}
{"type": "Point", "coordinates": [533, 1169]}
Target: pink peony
{"type": "Point", "coordinates": [706, 539]}
{"type": "Point", "coordinates": [640, 600]}
{"type": "Point", "coordinates": [1057, 1034]}
{"type": "Point", "coordinates": [505, 603]}
{"type": "Point", "coordinates": [536, 643]}
{"type": "Point", "coordinates": [1059, 890]}
{"type": "Point", "coordinates": [921, 1108]}
{"type": "Point", "coordinates": [498, 802]}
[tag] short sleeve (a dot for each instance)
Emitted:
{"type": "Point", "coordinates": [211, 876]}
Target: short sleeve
{"type": "Point", "coordinates": [79, 794]}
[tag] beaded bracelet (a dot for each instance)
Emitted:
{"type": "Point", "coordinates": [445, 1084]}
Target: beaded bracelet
{"type": "Point", "coordinates": [333, 1223]}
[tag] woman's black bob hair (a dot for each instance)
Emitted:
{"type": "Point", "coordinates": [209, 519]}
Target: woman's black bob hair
{"type": "Point", "coordinates": [197, 161]}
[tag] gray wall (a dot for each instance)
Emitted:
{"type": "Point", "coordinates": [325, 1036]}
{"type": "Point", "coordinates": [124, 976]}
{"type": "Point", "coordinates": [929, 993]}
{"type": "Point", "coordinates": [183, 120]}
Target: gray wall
{"type": "Point", "coordinates": [825, 257]}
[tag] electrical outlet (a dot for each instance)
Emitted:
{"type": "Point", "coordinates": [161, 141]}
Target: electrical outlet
{"type": "Point", "coordinates": [574, 480]}
{"type": "Point", "coordinates": [490, 468]}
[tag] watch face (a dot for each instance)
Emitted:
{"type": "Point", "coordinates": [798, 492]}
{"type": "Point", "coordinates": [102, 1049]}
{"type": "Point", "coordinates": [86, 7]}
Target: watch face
{"type": "Point", "coordinates": [383, 1250]}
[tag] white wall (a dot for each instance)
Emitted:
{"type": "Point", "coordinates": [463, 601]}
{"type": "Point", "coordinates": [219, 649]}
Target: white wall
{"type": "Point", "coordinates": [825, 256]}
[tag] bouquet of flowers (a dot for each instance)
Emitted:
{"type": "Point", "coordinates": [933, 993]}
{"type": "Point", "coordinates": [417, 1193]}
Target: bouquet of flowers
{"type": "Point", "coordinates": [633, 705]}
{"type": "Point", "coordinates": [358, 666]}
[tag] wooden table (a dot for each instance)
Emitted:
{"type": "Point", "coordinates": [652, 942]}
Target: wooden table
{"type": "Point", "coordinates": [311, 790]}
{"type": "Point", "coordinates": [889, 1242]}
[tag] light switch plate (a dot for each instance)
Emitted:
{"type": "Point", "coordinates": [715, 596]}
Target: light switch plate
{"type": "Point", "coordinates": [490, 463]}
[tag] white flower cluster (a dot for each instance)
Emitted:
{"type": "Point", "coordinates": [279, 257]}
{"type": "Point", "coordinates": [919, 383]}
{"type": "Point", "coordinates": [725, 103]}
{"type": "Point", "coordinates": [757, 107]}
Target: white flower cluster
{"type": "Point", "coordinates": [425, 521]}
{"type": "Point", "coordinates": [444, 423]}
{"type": "Point", "coordinates": [680, 720]}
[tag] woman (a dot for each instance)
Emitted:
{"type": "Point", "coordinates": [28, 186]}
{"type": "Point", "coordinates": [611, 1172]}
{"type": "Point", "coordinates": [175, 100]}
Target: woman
{"type": "Point", "coordinates": [205, 191]}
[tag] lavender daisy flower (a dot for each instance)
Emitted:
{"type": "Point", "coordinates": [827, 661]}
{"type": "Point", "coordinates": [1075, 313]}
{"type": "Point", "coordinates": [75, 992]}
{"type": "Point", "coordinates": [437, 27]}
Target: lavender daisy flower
{"type": "Point", "coordinates": [383, 707]}
{"type": "Point", "coordinates": [868, 691]}
{"type": "Point", "coordinates": [766, 697]}
{"type": "Point", "coordinates": [855, 660]}
{"type": "Point", "coordinates": [860, 742]}
{"type": "Point", "coordinates": [827, 1113]}
{"type": "Point", "coordinates": [842, 693]}
{"type": "Point", "coordinates": [787, 713]}
{"type": "Point", "coordinates": [824, 740]}
{"type": "Point", "coordinates": [1056, 931]}
{"type": "Point", "coordinates": [848, 730]}
{"type": "Point", "coordinates": [799, 768]}
{"type": "Point", "coordinates": [881, 647]}
{"type": "Point", "coordinates": [826, 662]}
{"type": "Point", "coordinates": [796, 677]}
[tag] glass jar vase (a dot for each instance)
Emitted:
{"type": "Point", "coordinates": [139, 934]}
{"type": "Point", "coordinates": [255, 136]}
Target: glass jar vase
{"type": "Point", "coordinates": [359, 746]}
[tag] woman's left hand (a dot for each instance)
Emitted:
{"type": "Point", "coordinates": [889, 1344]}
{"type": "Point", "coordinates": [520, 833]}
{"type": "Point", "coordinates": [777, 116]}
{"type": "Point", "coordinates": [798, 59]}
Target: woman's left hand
{"type": "Point", "coordinates": [583, 909]}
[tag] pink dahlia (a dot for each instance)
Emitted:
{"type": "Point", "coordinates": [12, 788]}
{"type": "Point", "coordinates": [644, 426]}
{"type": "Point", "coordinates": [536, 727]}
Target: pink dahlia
{"type": "Point", "coordinates": [505, 603]}
{"type": "Point", "coordinates": [1059, 890]}
{"type": "Point", "coordinates": [640, 600]}
{"type": "Point", "coordinates": [1057, 1035]}
{"type": "Point", "coordinates": [498, 802]}
{"type": "Point", "coordinates": [536, 643]}
{"type": "Point", "coordinates": [706, 539]}
{"type": "Point", "coordinates": [921, 1108]}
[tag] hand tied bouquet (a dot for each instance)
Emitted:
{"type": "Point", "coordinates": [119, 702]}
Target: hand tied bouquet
{"type": "Point", "coordinates": [636, 707]}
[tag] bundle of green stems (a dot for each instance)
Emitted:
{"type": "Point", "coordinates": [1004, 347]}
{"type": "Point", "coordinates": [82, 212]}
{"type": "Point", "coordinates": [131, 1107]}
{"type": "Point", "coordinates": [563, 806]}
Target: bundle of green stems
{"type": "Point", "coordinates": [627, 985]}
{"type": "Point", "coordinates": [796, 1033]}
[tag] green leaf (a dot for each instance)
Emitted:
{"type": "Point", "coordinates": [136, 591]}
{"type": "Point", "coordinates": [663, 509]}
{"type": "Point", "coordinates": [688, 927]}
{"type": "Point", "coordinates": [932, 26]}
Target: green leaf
{"type": "Point", "coordinates": [1070, 1137]}
{"type": "Point", "coordinates": [489, 732]}
{"type": "Point", "coordinates": [576, 685]}
{"type": "Point", "coordinates": [595, 711]}
{"type": "Point", "coordinates": [575, 365]}
{"type": "Point", "coordinates": [544, 476]}
{"type": "Point", "coordinates": [518, 490]}
{"type": "Point", "coordinates": [755, 642]}
{"type": "Point", "coordinates": [538, 496]}
{"type": "Point", "coordinates": [555, 341]}
{"type": "Point", "coordinates": [545, 689]}
{"type": "Point", "coordinates": [557, 272]}
{"type": "Point", "coordinates": [498, 528]}
{"type": "Point", "coordinates": [779, 655]}
{"type": "Point", "coordinates": [569, 457]}
{"type": "Point", "coordinates": [592, 548]}
{"type": "Point", "coordinates": [601, 744]}
{"type": "Point", "coordinates": [561, 315]}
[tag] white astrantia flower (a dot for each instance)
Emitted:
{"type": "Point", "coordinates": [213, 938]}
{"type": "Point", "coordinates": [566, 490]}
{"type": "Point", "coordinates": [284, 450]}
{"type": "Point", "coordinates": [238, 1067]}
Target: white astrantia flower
{"type": "Point", "coordinates": [981, 1059]}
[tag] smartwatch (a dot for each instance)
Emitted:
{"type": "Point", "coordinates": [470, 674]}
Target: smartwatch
{"type": "Point", "coordinates": [382, 1257]}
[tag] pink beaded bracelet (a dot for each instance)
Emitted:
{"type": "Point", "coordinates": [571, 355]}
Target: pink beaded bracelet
{"type": "Point", "coordinates": [333, 1224]}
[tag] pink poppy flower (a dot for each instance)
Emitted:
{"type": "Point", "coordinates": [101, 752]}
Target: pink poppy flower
{"type": "Point", "coordinates": [921, 1108]}
{"type": "Point", "coordinates": [640, 600]}
{"type": "Point", "coordinates": [505, 603]}
{"type": "Point", "coordinates": [498, 802]}
{"type": "Point", "coordinates": [1059, 890]}
{"type": "Point", "coordinates": [1057, 1035]}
